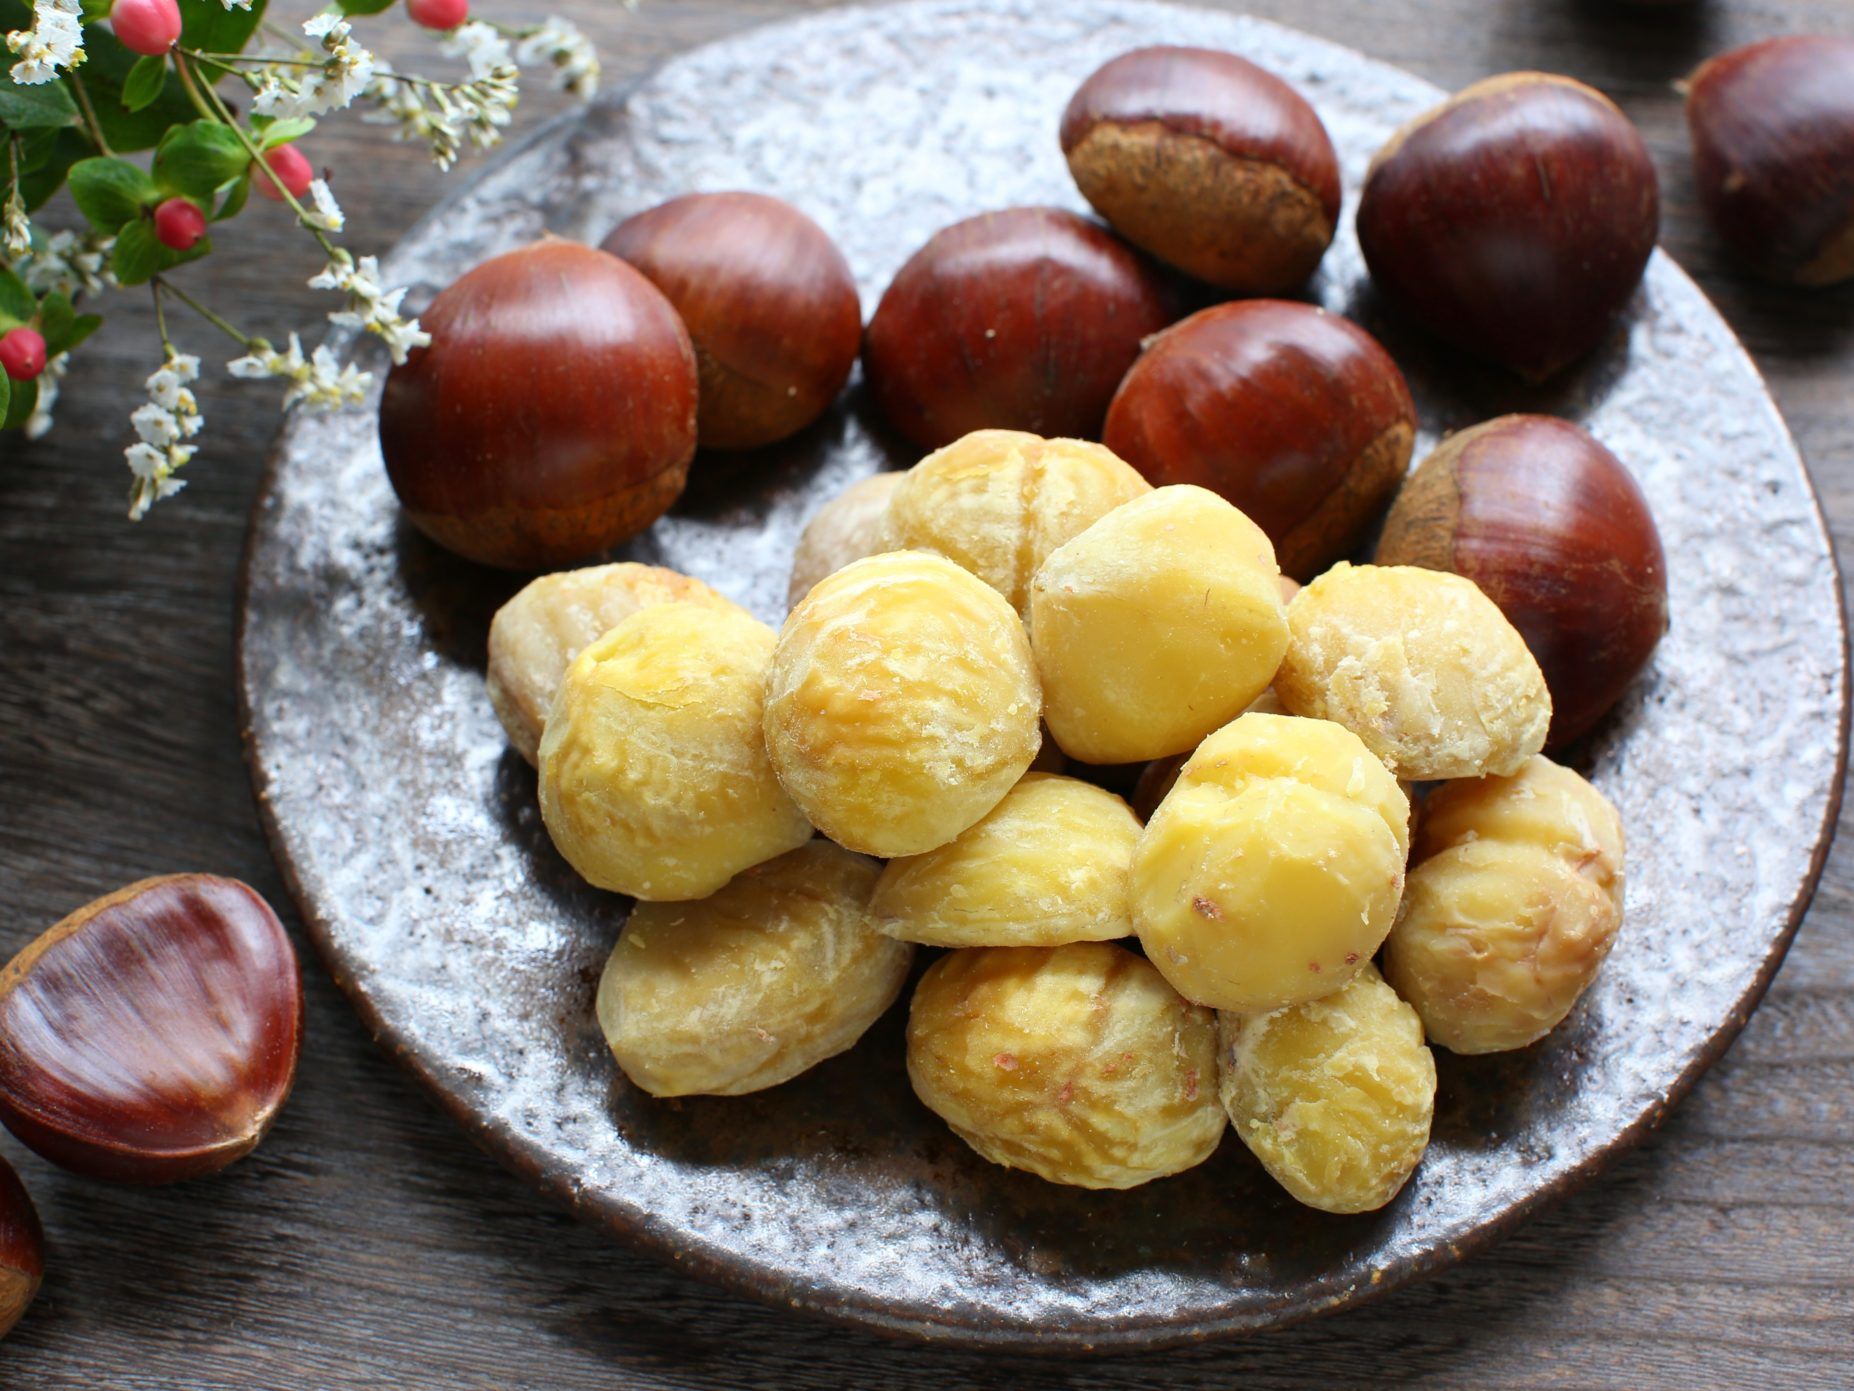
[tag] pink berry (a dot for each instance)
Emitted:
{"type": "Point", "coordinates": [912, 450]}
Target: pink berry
{"type": "Point", "coordinates": [146, 26]}
{"type": "Point", "coordinates": [178, 224]}
{"type": "Point", "coordinates": [438, 14]}
{"type": "Point", "coordinates": [289, 164]}
{"type": "Point", "coordinates": [22, 354]}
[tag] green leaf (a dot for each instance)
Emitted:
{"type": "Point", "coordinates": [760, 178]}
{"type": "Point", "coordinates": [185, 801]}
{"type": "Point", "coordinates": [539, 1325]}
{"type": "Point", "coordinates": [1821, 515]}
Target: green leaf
{"type": "Point", "coordinates": [139, 255]}
{"type": "Point", "coordinates": [275, 133]}
{"type": "Point", "coordinates": [199, 158]}
{"type": "Point", "coordinates": [25, 397]}
{"type": "Point", "coordinates": [45, 106]}
{"type": "Point", "coordinates": [82, 328]}
{"type": "Point", "coordinates": [207, 25]}
{"type": "Point", "coordinates": [67, 147]}
{"type": "Point", "coordinates": [144, 83]}
{"type": "Point", "coordinates": [55, 319]}
{"type": "Point", "coordinates": [17, 305]}
{"type": "Point", "coordinates": [234, 201]}
{"type": "Point", "coordinates": [6, 392]}
{"type": "Point", "coordinates": [365, 6]}
{"type": "Point", "coordinates": [111, 192]}
{"type": "Point", "coordinates": [105, 72]}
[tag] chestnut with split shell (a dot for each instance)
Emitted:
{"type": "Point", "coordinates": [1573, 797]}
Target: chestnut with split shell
{"type": "Point", "coordinates": [152, 1035]}
{"type": "Point", "coordinates": [22, 1249]}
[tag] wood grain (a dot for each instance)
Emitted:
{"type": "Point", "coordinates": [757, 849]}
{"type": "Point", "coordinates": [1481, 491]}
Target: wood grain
{"type": "Point", "coordinates": [368, 1245]}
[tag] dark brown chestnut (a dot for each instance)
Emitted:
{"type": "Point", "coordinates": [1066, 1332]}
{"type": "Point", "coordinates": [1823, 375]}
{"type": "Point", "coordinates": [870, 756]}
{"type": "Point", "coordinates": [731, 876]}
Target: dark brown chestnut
{"type": "Point", "coordinates": [1296, 415]}
{"type": "Point", "coordinates": [1556, 532]}
{"type": "Point", "coordinates": [1514, 220]}
{"type": "Point", "coordinates": [553, 414]}
{"type": "Point", "coordinates": [1019, 320]}
{"type": "Point", "coordinates": [1773, 152]}
{"type": "Point", "coordinates": [768, 300]}
{"type": "Point", "coordinates": [1214, 165]}
{"type": "Point", "coordinates": [153, 1034]}
{"type": "Point", "coordinates": [22, 1249]}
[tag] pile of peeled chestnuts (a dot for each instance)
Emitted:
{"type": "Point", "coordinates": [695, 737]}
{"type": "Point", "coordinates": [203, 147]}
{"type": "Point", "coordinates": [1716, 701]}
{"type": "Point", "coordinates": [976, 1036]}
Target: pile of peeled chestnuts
{"type": "Point", "coordinates": [1132, 558]}
{"type": "Point", "coordinates": [151, 1036]}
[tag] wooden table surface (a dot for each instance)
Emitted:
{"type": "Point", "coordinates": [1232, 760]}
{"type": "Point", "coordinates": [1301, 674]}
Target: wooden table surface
{"type": "Point", "coordinates": [369, 1245]}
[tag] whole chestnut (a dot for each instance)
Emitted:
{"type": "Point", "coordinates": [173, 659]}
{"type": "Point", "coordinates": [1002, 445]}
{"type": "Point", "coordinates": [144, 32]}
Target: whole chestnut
{"type": "Point", "coordinates": [151, 1035]}
{"type": "Point", "coordinates": [1025, 319]}
{"type": "Point", "coordinates": [768, 300]}
{"type": "Point", "coordinates": [1214, 165]}
{"type": "Point", "coordinates": [1514, 220]}
{"type": "Point", "coordinates": [1295, 415]}
{"type": "Point", "coordinates": [1555, 531]}
{"type": "Point", "coordinates": [1773, 152]}
{"type": "Point", "coordinates": [552, 414]}
{"type": "Point", "coordinates": [22, 1249]}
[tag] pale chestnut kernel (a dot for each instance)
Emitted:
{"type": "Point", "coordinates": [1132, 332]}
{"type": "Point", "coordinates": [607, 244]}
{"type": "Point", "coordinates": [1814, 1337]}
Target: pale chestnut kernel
{"type": "Point", "coordinates": [1271, 871]}
{"type": "Point", "coordinates": [653, 773]}
{"type": "Point", "coordinates": [751, 986]}
{"type": "Point", "coordinates": [1514, 899]}
{"type": "Point", "coordinates": [1077, 1063]}
{"type": "Point", "coordinates": [901, 704]}
{"type": "Point", "coordinates": [1420, 665]}
{"type": "Point", "coordinates": [537, 634]}
{"type": "Point", "coordinates": [997, 502]}
{"type": "Point", "coordinates": [1335, 1096]}
{"type": "Point", "coordinates": [1155, 626]}
{"type": "Point", "coordinates": [847, 528]}
{"type": "Point", "coordinates": [1047, 865]}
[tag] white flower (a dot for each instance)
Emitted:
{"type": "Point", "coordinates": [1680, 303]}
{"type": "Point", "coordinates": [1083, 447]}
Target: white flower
{"type": "Point", "coordinates": [482, 47]}
{"type": "Point", "coordinates": [40, 420]}
{"type": "Point", "coordinates": [66, 263]}
{"type": "Point", "coordinates": [15, 226]}
{"type": "Point", "coordinates": [559, 42]}
{"type": "Point", "coordinates": [370, 308]}
{"type": "Point", "coordinates": [327, 214]}
{"type": "Point", "coordinates": [335, 82]}
{"type": "Point", "coordinates": [318, 381]}
{"type": "Point", "coordinates": [55, 40]}
{"type": "Point", "coordinates": [170, 416]}
{"type": "Point", "coordinates": [404, 104]}
{"type": "Point", "coordinates": [156, 425]}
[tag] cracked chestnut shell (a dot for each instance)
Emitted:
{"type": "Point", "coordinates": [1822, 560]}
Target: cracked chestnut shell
{"type": "Point", "coordinates": [151, 1035]}
{"type": "Point", "coordinates": [1295, 415]}
{"type": "Point", "coordinates": [22, 1249]}
{"type": "Point", "coordinates": [1214, 165]}
{"type": "Point", "coordinates": [1554, 530]}
{"type": "Point", "coordinates": [1773, 153]}
{"type": "Point", "coordinates": [768, 300]}
{"type": "Point", "coordinates": [552, 415]}
{"type": "Point", "coordinates": [1025, 319]}
{"type": "Point", "coordinates": [1514, 220]}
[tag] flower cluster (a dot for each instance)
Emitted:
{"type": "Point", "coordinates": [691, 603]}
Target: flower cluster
{"type": "Point", "coordinates": [55, 40]}
{"type": "Point", "coordinates": [170, 415]}
{"type": "Point", "coordinates": [559, 43]}
{"type": "Point", "coordinates": [317, 381]}
{"type": "Point", "coordinates": [371, 308]}
{"type": "Point", "coordinates": [329, 85]}
{"type": "Point", "coordinates": [67, 263]}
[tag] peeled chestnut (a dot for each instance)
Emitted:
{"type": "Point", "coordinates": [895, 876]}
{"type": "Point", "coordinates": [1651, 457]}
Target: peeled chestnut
{"type": "Point", "coordinates": [768, 300]}
{"type": "Point", "coordinates": [1209, 162]}
{"type": "Point", "coordinates": [1295, 415]}
{"type": "Point", "coordinates": [22, 1249]}
{"type": "Point", "coordinates": [1514, 220]}
{"type": "Point", "coordinates": [1773, 152]}
{"type": "Point", "coordinates": [552, 415]}
{"type": "Point", "coordinates": [153, 1034]}
{"type": "Point", "coordinates": [1019, 320]}
{"type": "Point", "coordinates": [1555, 531]}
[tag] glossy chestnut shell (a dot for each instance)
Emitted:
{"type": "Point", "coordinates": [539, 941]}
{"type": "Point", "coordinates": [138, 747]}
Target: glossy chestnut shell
{"type": "Point", "coordinates": [552, 415]}
{"type": "Point", "coordinates": [151, 1035]}
{"type": "Point", "coordinates": [1025, 319]}
{"type": "Point", "coordinates": [1214, 165]}
{"type": "Point", "coordinates": [768, 300]}
{"type": "Point", "coordinates": [1773, 153]}
{"type": "Point", "coordinates": [1515, 220]}
{"type": "Point", "coordinates": [22, 1249]}
{"type": "Point", "coordinates": [1552, 527]}
{"type": "Point", "coordinates": [1297, 416]}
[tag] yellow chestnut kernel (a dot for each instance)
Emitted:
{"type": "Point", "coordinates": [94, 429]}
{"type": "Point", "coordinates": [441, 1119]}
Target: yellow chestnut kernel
{"type": "Point", "coordinates": [1271, 871]}
{"type": "Point", "coordinates": [1334, 1096]}
{"type": "Point", "coordinates": [997, 502]}
{"type": "Point", "coordinates": [1514, 899]}
{"type": "Point", "coordinates": [749, 987]}
{"type": "Point", "coordinates": [901, 704]}
{"type": "Point", "coordinates": [1155, 626]}
{"type": "Point", "coordinates": [536, 635]}
{"type": "Point", "coordinates": [1077, 1063]}
{"type": "Point", "coordinates": [1420, 665]}
{"type": "Point", "coordinates": [1047, 865]}
{"type": "Point", "coordinates": [847, 528]}
{"type": "Point", "coordinates": [653, 771]}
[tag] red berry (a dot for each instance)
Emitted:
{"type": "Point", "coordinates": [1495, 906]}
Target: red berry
{"type": "Point", "coordinates": [146, 26]}
{"type": "Point", "coordinates": [22, 354]}
{"type": "Point", "coordinates": [178, 224]}
{"type": "Point", "coordinates": [438, 14]}
{"type": "Point", "coordinates": [289, 164]}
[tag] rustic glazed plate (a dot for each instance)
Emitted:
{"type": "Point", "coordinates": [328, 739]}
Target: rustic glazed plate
{"type": "Point", "coordinates": [411, 840]}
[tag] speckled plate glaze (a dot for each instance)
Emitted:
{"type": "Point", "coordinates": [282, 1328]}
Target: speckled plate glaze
{"type": "Point", "coordinates": [411, 840]}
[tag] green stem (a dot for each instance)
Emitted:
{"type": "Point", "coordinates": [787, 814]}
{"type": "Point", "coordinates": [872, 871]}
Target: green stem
{"type": "Point", "coordinates": [165, 286]}
{"type": "Point", "coordinates": [90, 115]}
{"type": "Point", "coordinates": [167, 343]}
{"type": "Point", "coordinates": [192, 88]}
